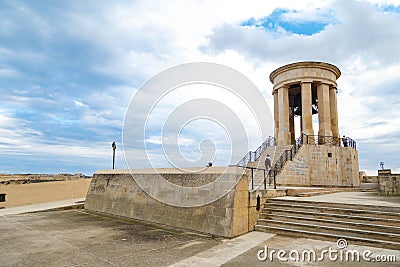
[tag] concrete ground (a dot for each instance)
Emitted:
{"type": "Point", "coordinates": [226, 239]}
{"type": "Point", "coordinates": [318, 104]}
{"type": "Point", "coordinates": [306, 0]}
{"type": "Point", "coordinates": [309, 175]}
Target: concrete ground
{"type": "Point", "coordinates": [81, 238]}
{"type": "Point", "coordinates": [300, 245]}
{"type": "Point", "coordinates": [42, 206]}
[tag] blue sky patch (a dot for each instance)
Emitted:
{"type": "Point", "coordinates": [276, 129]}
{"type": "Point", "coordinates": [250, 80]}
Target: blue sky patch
{"type": "Point", "coordinates": [277, 20]}
{"type": "Point", "coordinates": [391, 8]}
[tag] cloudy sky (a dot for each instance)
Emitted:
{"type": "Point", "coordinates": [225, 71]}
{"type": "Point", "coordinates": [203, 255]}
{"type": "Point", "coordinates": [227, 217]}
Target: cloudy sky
{"type": "Point", "coordinates": [69, 69]}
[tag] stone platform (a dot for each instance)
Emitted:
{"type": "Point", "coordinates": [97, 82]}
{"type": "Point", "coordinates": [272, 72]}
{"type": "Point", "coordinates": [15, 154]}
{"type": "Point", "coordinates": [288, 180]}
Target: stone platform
{"type": "Point", "coordinates": [117, 193]}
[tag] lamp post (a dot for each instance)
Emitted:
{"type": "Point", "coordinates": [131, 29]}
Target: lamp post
{"type": "Point", "coordinates": [114, 147]}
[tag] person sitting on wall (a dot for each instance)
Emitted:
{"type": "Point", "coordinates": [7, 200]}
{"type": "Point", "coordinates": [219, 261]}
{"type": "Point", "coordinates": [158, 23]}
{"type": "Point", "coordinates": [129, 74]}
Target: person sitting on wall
{"type": "Point", "coordinates": [209, 164]}
{"type": "Point", "coordinates": [344, 140]}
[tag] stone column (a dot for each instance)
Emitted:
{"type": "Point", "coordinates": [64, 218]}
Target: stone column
{"type": "Point", "coordinates": [276, 114]}
{"type": "Point", "coordinates": [291, 128]}
{"type": "Point", "coordinates": [333, 110]}
{"type": "Point", "coordinates": [324, 115]}
{"type": "Point", "coordinates": [301, 124]}
{"type": "Point", "coordinates": [283, 103]}
{"type": "Point", "coordinates": [306, 109]}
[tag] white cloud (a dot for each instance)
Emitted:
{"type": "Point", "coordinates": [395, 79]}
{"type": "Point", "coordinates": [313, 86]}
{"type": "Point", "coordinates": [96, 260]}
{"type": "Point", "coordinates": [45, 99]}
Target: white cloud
{"type": "Point", "coordinates": [4, 72]}
{"type": "Point", "coordinates": [82, 63]}
{"type": "Point", "coordinates": [78, 103]}
{"type": "Point", "coordinates": [155, 139]}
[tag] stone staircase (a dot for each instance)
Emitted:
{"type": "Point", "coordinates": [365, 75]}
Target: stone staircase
{"type": "Point", "coordinates": [258, 176]}
{"type": "Point", "coordinates": [360, 224]}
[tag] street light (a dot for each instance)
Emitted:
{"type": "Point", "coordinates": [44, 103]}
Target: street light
{"type": "Point", "coordinates": [114, 147]}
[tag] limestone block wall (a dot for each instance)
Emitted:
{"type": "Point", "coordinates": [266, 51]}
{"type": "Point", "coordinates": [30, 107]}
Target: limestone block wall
{"type": "Point", "coordinates": [368, 179]}
{"type": "Point", "coordinates": [117, 193]}
{"type": "Point", "coordinates": [389, 184]}
{"type": "Point", "coordinates": [264, 195]}
{"type": "Point", "coordinates": [191, 180]}
{"type": "Point", "coordinates": [322, 165]}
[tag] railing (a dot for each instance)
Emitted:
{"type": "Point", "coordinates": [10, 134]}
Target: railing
{"type": "Point", "coordinates": [290, 153]}
{"type": "Point", "coordinates": [252, 176]}
{"type": "Point", "coordinates": [306, 139]}
{"type": "Point", "coordinates": [286, 155]}
{"type": "Point", "coordinates": [329, 140]}
{"type": "Point", "coordinates": [255, 155]}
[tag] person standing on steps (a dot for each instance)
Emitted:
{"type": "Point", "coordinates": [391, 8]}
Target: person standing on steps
{"type": "Point", "coordinates": [267, 163]}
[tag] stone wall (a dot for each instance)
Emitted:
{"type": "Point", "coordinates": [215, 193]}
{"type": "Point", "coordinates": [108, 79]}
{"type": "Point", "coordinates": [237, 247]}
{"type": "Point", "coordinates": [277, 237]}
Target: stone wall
{"type": "Point", "coordinates": [190, 179]}
{"type": "Point", "coordinates": [264, 195]}
{"type": "Point", "coordinates": [389, 184]}
{"type": "Point", "coordinates": [116, 192]}
{"type": "Point", "coordinates": [364, 178]}
{"type": "Point", "coordinates": [322, 165]}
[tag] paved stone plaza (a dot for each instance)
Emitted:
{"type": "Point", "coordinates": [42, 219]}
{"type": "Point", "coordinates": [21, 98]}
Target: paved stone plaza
{"type": "Point", "coordinates": [81, 238]}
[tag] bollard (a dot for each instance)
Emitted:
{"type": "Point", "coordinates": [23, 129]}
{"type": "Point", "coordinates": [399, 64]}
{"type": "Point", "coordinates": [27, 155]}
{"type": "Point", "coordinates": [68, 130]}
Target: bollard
{"type": "Point", "coordinates": [258, 202]}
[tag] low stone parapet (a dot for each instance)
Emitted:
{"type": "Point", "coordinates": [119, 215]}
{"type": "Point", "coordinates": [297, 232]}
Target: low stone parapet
{"type": "Point", "coordinates": [117, 192]}
{"type": "Point", "coordinates": [388, 183]}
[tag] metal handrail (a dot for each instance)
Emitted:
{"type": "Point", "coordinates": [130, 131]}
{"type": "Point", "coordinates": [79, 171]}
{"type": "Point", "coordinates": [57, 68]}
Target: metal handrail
{"type": "Point", "coordinates": [252, 176]}
{"type": "Point", "coordinates": [288, 154]}
{"type": "Point", "coordinates": [306, 139]}
{"type": "Point", "coordinates": [255, 155]}
{"type": "Point", "coordinates": [329, 140]}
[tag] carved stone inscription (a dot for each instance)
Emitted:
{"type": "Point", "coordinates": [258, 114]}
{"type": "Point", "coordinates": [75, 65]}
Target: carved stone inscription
{"type": "Point", "coordinates": [299, 166]}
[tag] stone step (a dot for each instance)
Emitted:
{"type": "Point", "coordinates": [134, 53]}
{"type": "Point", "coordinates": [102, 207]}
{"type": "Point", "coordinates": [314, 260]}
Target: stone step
{"type": "Point", "coordinates": [259, 163]}
{"type": "Point", "coordinates": [338, 229]}
{"type": "Point", "coordinates": [258, 187]}
{"type": "Point", "coordinates": [325, 215]}
{"type": "Point", "coordinates": [374, 225]}
{"type": "Point", "coordinates": [328, 236]}
{"type": "Point", "coordinates": [314, 193]}
{"type": "Point", "coordinates": [274, 201]}
{"type": "Point", "coordinates": [257, 184]}
{"type": "Point", "coordinates": [333, 222]}
{"type": "Point", "coordinates": [334, 209]}
{"type": "Point", "coordinates": [369, 186]}
{"type": "Point", "coordinates": [258, 178]}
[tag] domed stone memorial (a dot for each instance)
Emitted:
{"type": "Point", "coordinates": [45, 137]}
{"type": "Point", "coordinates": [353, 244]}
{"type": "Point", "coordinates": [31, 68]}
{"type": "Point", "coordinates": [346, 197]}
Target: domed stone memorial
{"type": "Point", "coordinates": [310, 157]}
{"type": "Point", "coordinates": [316, 157]}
